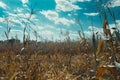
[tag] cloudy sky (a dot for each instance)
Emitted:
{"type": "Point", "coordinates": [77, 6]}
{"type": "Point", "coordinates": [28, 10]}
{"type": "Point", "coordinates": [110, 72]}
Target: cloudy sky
{"type": "Point", "coordinates": [50, 17]}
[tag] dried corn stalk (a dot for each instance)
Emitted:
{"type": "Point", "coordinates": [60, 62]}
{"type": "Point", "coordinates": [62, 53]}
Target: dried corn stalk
{"type": "Point", "coordinates": [105, 30]}
{"type": "Point", "coordinates": [100, 47]}
{"type": "Point", "coordinates": [13, 77]}
{"type": "Point", "coordinates": [84, 41]}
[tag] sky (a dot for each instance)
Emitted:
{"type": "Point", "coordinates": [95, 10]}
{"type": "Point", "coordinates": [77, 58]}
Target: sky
{"type": "Point", "coordinates": [53, 19]}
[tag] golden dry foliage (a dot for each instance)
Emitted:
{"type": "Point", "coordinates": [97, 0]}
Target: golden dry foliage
{"type": "Point", "coordinates": [106, 71]}
{"type": "Point", "coordinates": [13, 76]}
{"type": "Point", "coordinates": [105, 30]}
{"type": "Point", "coordinates": [80, 34]}
{"type": "Point", "coordinates": [100, 47]}
{"type": "Point", "coordinates": [84, 40]}
{"type": "Point", "coordinates": [100, 71]}
{"type": "Point", "coordinates": [55, 69]}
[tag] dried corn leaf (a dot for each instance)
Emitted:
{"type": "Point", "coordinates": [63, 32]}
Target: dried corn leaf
{"type": "Point", "coordinates": [100, 78]}
{"type": "Point", "coordinates": [105, 30]}
{"type": "Point", "coordinates": [100, 47]}
{"type": "Point", "coordinates": [100, 71]}
{"type": "Point", "coordinates": [15, 74]}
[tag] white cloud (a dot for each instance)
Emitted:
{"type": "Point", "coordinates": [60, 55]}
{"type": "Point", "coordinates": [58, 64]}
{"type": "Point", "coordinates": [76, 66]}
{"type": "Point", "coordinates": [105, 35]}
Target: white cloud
{"type": "Point", "coordinates": [96, 29]}
{"type": "Point", "coordinates": [69, 15]}
{"type": "Point", "coordinates": [48, 34]}
{"type": "Point", "coordinates": [3, 5]}
{"type": "Point", "coordinates": [50, 14]}
{"type": "Point", "coordinates": [100, 30]}
{"type": "Point", "coordinates": [118, 23]}
{"type": "Point", "coordinates": [16, 31]}
{"type": "Point", "coordinates": [65, 21]}
{"type": "Point", "coordinates": [66, 5]}
{"type": "Point", "coordinates": [40, 28]}
{"type": "Point", "coordinates": [54, 16]}
{"type": "Point", "coordinates": [2, 19]}
{"type": "Point", "coordinates": [115, 3]}
{"type": "Point", "coordinates": [24, 1]}
{"type": "Point", "coordinates": [13, 18]}
{"type": "Point", "coordinates": [88, 33]}
{"type": "Point", "coordinates": [91, 14]}
{"type": "Point", "coordinates": [20, 10]}
{"type": "Point", "coordinates": [1, 27]}
{"type": "Point", "coordinates": [21, 17]}
{"type": "Point", "coordinates": [113, 25]}
{"type": "Point", "coordinates": [74, 35]}
{"type": "Point", "coordinates": [80, 1]}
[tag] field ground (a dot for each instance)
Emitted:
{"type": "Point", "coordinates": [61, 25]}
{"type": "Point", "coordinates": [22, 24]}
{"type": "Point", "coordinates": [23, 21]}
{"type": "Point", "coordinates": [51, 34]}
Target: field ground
{"type": "Point", "coordinates": [53, 67]}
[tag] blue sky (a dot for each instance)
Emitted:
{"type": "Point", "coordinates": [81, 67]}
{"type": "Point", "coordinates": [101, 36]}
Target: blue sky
{"type": "Point", "coordinates": [50, 17]}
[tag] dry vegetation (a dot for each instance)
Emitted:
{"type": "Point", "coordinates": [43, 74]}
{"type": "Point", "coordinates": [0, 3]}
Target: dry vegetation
{"type": "Point", "coordinates": [87, 59]}
{"type": "Point", "coordinates": [55, 61]}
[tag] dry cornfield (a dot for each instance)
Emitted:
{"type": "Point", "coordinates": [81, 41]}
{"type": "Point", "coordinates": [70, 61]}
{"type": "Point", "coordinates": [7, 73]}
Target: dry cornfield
{"type": "Point", "coordinates": [95, 57]}
{"type": "Point", "coordinates": [56, 61]}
